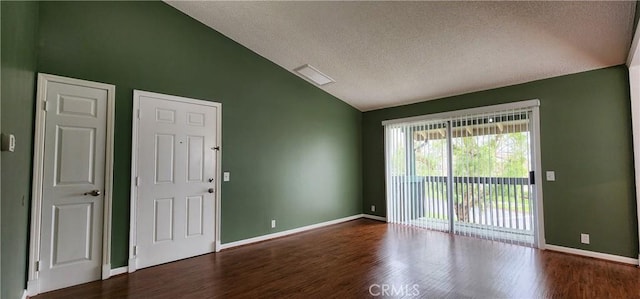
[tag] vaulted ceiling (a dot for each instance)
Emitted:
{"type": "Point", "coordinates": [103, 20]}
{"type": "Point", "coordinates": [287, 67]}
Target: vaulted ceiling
{"type": "Point", "coordinates": [384, 54]}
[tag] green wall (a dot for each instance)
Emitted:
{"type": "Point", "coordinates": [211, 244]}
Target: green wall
{"type": "Point", "coordinates": [295, 153]}
{"type": "Point", "coordinates": [637, 17]}
{"type": "Point", "coordinates": [293, 150]}
{"type": "Point", "coordinates": [19, 33]}
{"type": "Point", "coordinates": [585, 137]}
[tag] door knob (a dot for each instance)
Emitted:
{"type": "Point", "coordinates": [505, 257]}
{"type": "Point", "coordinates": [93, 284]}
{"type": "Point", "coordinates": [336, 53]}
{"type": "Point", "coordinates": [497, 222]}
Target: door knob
{"type": "Point", "coordinates": [93, 193]}
{"type": "Point", "coordinates": [210, 190]}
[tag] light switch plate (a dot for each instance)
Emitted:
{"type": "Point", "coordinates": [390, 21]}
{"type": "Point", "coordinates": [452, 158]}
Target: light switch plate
{"type": "Point", "coordinates": [551, 176]}
{"type": "Point", "coordinates": [226, 176]}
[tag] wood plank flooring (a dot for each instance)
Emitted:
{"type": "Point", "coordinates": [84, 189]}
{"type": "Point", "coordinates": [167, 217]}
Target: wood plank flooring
{"type": "Point", "coordinates": [359, 259]}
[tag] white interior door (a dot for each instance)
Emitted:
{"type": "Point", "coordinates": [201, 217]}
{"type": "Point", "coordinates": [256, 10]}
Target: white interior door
{"type": "Point", "coordinates": [73, 183]}
{"type": "Point", "coordinates": [176, 169]}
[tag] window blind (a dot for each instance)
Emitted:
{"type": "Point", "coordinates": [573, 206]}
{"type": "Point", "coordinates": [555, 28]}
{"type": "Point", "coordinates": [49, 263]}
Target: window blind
{"type": "Point", "coordinates": [467, 174]}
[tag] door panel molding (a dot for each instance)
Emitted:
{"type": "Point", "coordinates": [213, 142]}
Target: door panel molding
{"type": "Point", "coordinates": [194, 119]}
{"type": "Point", "coordinates": [38, 174]}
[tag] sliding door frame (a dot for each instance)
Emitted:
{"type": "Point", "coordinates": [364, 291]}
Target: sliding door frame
{"type": "Point", "coordinates": [450, 176]}
{"type": "Point", "coordinates": [536, 157]}
{"type": "Point", "coordinates": [539, 240]}
{"type": "Point", "coordinates": [633, 63]}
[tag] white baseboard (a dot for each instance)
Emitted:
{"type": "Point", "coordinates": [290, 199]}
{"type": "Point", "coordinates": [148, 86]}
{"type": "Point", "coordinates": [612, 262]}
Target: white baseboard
{"type": "Point", "coordinates": [24, 295]}
{"type": "Point", "coordinates": [118, 271]}
{"type": "Point", "coordinates": [598, 255]}
{"type": "Point", "coordinates": [374, 217]}
{"type": "Point", "coordinates": [288, 232]}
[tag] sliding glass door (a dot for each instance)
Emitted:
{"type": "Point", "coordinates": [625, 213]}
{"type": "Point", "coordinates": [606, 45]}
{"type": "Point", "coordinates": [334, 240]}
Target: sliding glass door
{"type": "Point", "coordinates": [417, 161]}
{"type": "Point", "coordinates": [470, 174]}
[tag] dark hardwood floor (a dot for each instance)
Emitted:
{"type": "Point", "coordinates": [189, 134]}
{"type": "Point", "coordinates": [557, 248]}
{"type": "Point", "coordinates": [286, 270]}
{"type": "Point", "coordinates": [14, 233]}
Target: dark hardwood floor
{"type": "Point", "coordinates": [362, 258]}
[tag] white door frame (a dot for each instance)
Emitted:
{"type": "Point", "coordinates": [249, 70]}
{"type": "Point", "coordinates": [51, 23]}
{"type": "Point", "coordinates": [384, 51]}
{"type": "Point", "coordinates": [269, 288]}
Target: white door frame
{"type": "Point", "coordinates": [38, 171]}
{"type": "Point", "coordinates": [532, 105]}
{"type": "Point", "coordinates": [134, 164]}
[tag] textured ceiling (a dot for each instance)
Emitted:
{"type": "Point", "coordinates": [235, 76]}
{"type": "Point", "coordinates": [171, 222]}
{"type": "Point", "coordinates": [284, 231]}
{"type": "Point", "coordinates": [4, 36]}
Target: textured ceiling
{"type": "Point", "coordinates": [384, 54]}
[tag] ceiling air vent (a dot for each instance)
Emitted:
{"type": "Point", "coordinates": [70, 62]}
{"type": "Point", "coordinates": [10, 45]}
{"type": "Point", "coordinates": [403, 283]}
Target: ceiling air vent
{"type": "Point", "coordinates": [314, 75]}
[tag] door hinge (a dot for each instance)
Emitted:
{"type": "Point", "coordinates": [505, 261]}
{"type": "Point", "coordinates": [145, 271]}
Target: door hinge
{"type": "Point", "coordinates": [135, 250]}
{"type": "Point", "coordinates": [138, 113]}
{"type": "Point", "coordinates": [46, 106]}
{"type": "Point", "coordinates": [137, 181]}
{"type": "Point", "coordinates": [37, 266]}
{"type": "Point", "coordinates": [532, 177]}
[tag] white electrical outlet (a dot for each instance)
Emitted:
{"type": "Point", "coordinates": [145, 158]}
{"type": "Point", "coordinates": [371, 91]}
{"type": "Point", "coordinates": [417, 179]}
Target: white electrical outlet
{"type": "Point", "coordinates": [226, 176]}
{"type": "Point", "coordinates": [584, 238]}
{"type": "Point", "coordinates": [373, 208]}
{"type": "Point", "coordinates": [273, 224]}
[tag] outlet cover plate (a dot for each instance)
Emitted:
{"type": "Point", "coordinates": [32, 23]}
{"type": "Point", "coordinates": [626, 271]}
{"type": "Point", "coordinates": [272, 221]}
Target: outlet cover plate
{"type": "Point", "coordinates": [584, 238]}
